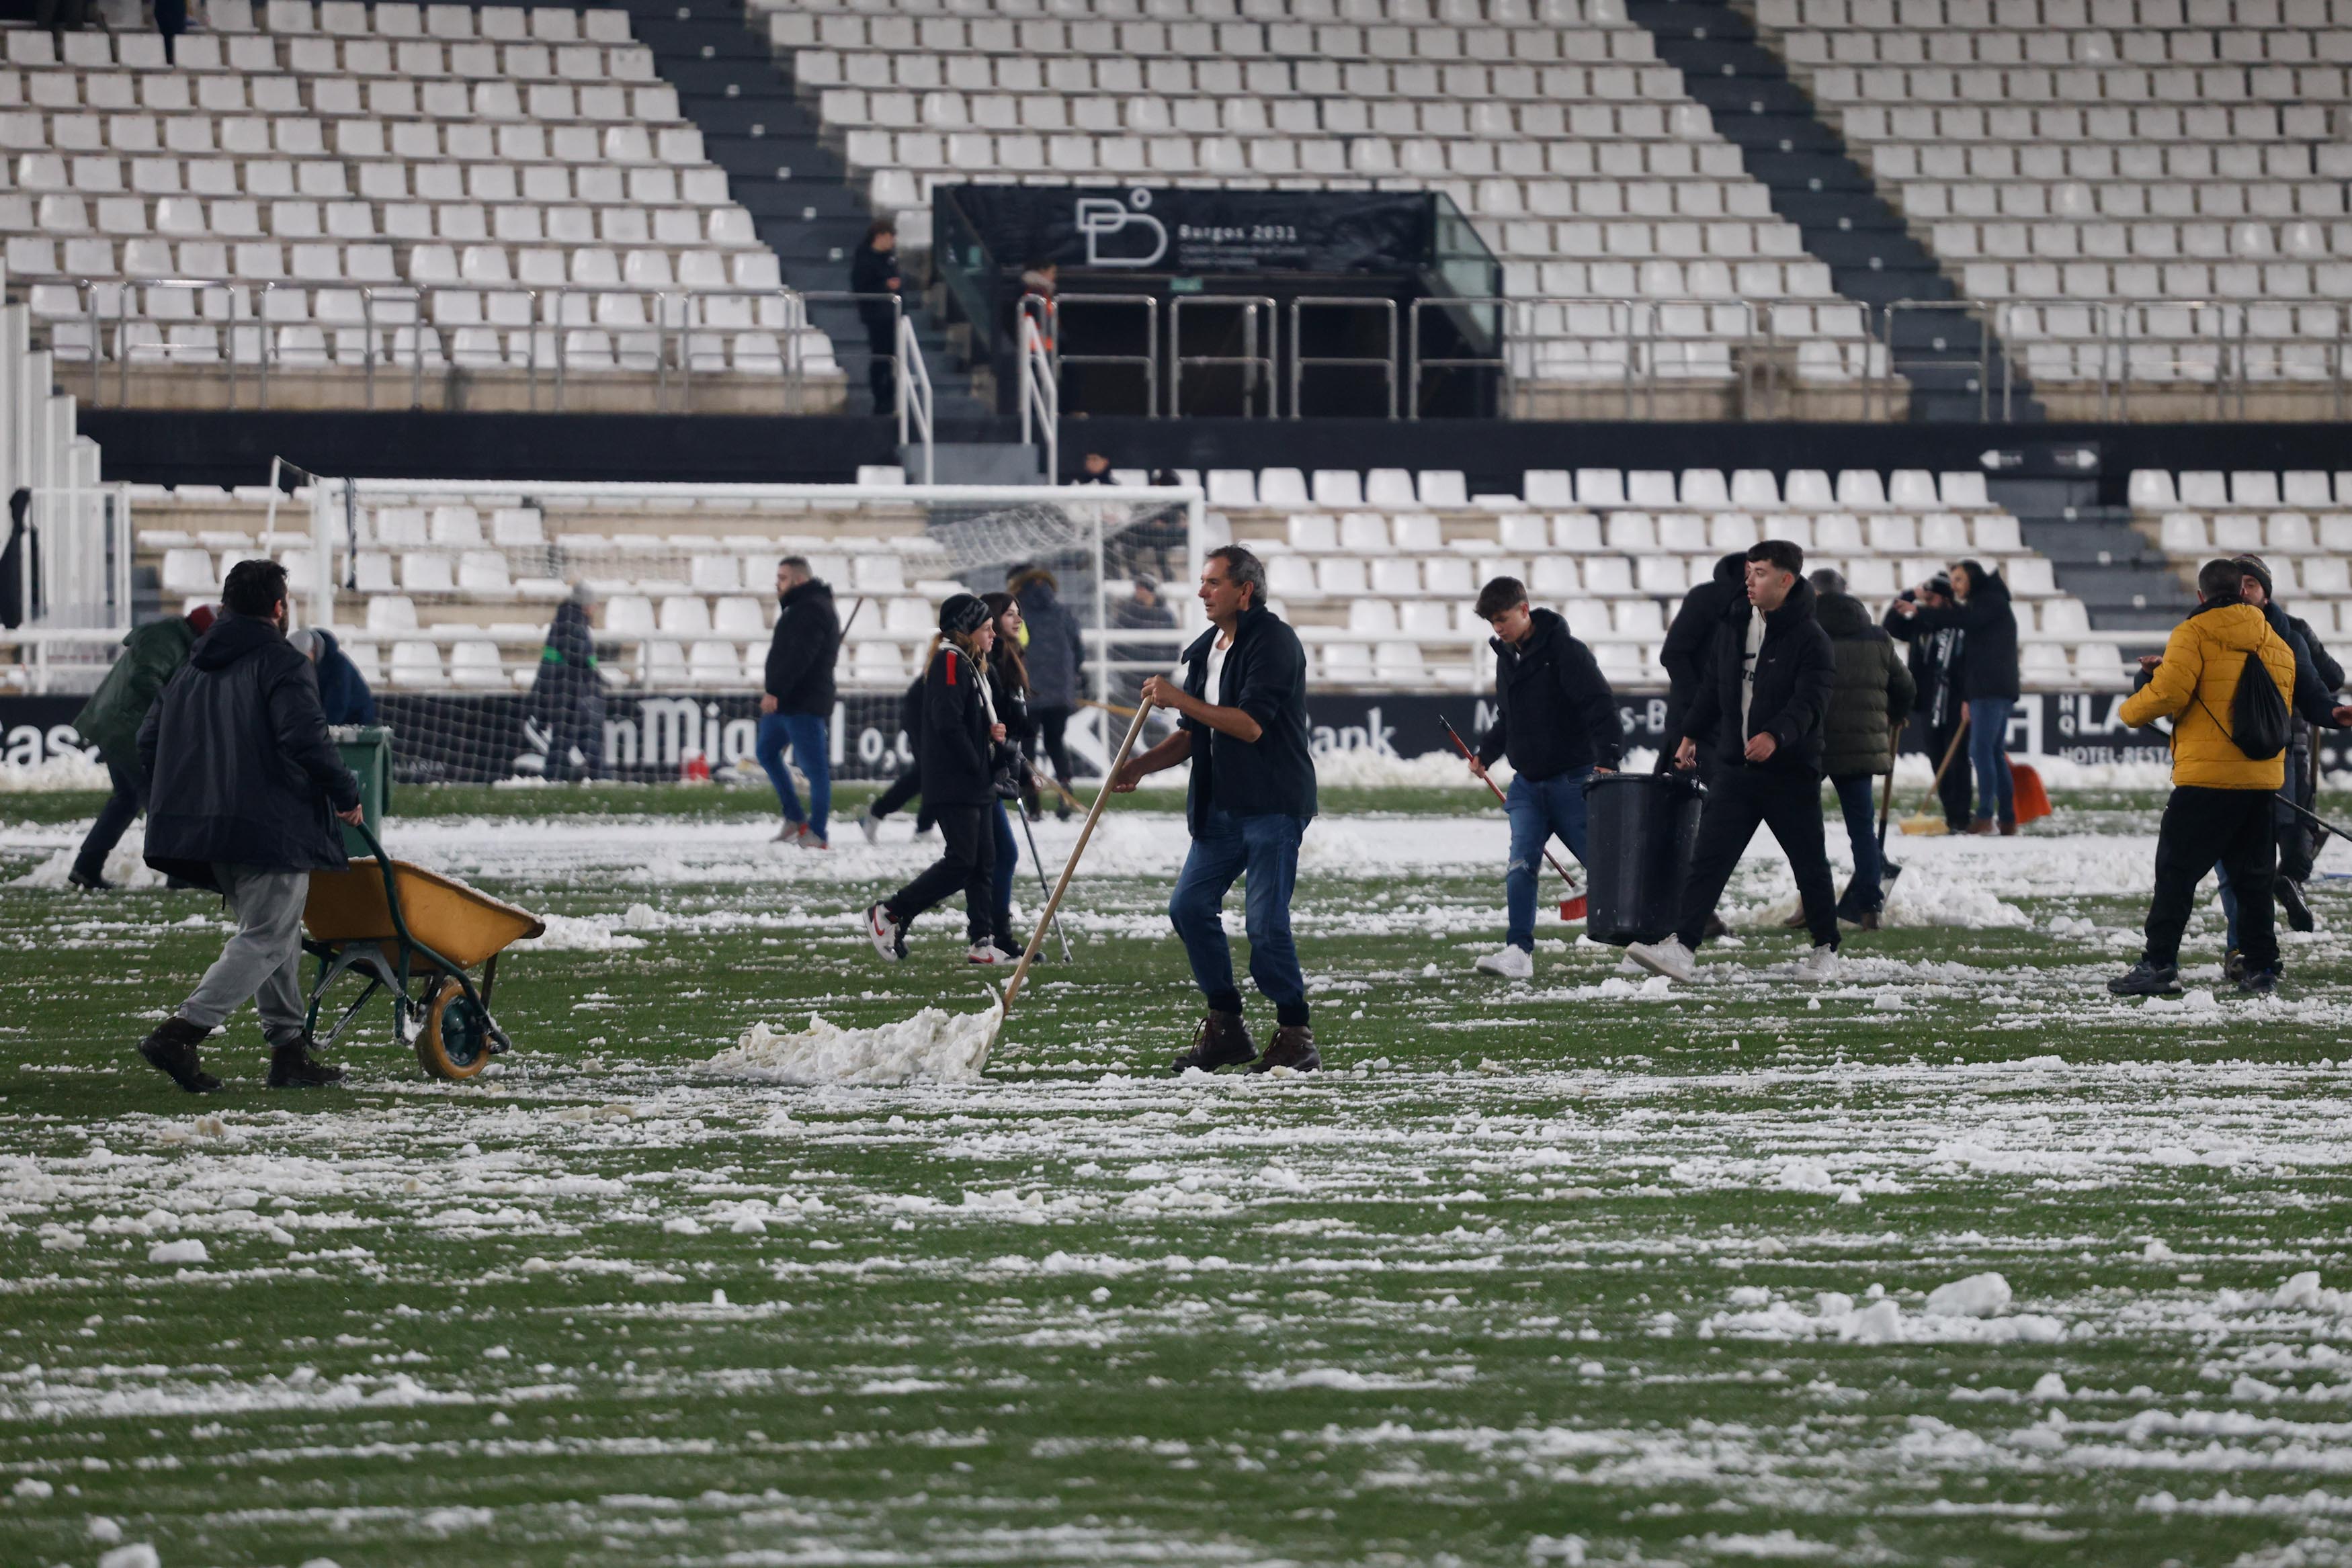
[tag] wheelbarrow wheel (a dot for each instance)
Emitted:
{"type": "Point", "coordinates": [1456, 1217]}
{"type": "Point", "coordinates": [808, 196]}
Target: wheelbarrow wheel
{"type": "Point", "coordinates": [454, 1042]}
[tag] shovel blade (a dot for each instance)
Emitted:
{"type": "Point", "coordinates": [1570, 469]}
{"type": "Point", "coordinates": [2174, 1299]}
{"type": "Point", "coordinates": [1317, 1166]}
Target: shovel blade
{"type": "Point", "coordinates": [1572, 908]}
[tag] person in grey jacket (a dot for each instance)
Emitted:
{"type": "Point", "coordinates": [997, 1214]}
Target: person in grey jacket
{"type": "Point", "coordinates": [244, 788]}
{"type": "Point", "coordinates": [1057, 656]}
{"type": "Point", "coordinates": [1871, 693]}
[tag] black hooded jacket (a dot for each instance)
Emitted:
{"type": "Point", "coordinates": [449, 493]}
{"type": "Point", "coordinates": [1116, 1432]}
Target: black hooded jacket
{"type": "Point", "coordinates": [1933, 655]}
{"type": "Point", "coordinates": [1991, 622]}
{"type": "Point", "coordinates": [954, 748]}
{"type": "Point", "coordinates": [1557, 713]}
{"type": "Point", "coordinates": [2313, 698]}
{"type": "Point", "coordinates": [1691, 639]}
{"type": "Point", "coordinates": [801, 655]}
{"type": "Point", "coordinates": [567, 677]}
{"type": "Point", "coordinates": [237, 761]}
{"type": "Point", "coordinates": [1794, 671]}
{"type": "Point", "coordinates": [343, 692]}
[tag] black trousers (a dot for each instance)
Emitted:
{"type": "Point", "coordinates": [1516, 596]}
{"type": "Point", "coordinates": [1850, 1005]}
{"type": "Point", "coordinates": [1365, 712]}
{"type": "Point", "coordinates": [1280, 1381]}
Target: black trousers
{"type": "Point", "coordinates": [969, 862]}
{"type": "Point", "coordinates": [2298, 842]}
{"type": "Point", "coordinates": [114, 818]}
{"type": "Point", "coordinates": [1053, 728]}
{"type": "Point", "coordinates": [903, 788]}
{"type": "Point", "coordinates": [882, 344]}
{"type": "Point", "coordinates": [1953, 791]}
{"type": "Point", "coordinates": [1740, 799]}
{"type": "Point", "coordinates": [2203, 828]}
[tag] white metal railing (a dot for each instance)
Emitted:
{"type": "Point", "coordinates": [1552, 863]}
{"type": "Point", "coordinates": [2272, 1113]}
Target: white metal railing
{"type": "Point", "coordinates": [1041, 395]}
{"type": "Point", "coordinates": [406, 332]}
{"type": "Point", "coordinates": [2224, 352]}
{"type": "Point", "coordinates": [918, 409]}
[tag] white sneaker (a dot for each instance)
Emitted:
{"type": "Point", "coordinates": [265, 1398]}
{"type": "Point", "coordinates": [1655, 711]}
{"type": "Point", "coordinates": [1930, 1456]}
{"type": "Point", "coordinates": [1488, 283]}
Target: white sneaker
{"type": "Point", "coordinates": [884, 933]}
{"type": "Point", "coordinates": [789, 833]}
{"type": "Point", "coordinates": [988, 953]}
{"type": "Point", "coordinates": [1820, 964]}
{"type": "Point", "coordinates": [871, 826]}
{"type": "Point", "coordinates": [1511, 962]}
{"type": "Point", "coordinates": [1668, 958]}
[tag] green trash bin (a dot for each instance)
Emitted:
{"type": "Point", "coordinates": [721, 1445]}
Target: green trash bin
{"type": "Point", "coordinates": [367, 751]}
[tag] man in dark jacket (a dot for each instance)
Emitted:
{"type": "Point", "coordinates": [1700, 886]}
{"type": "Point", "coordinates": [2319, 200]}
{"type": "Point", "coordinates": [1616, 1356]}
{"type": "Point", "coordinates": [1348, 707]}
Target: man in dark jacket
{"type": "Point", "coordinates": [874, 279]}
{"type": "Point", "coordinates": [1870, 696]}
{"type": "Point", "coordinates": [1934, 657]}
{"type": "Point", "coordinates": [1056, 655]}
{"type": "Point", "coordinates": [1689, 646]}
{"type": "Point", "coordinates": [567, 693]}
{"type": "Point", "coordinates": [1241, 720]}
{"type": "Point", "coordinates": [152, 654]}
{"type": "Point", "coordinates": [1767, 694]}
{"type": "Point", "coordinates": [796, 708]}
{"type": "Point", "coordinates": [1981, 609]}
{"type": "Point", "coordinates": [1556, 721]}
{"type": "Point", "coordinates": [243, 787]}
{"type": "Point", "coordinates": [2317, 677]}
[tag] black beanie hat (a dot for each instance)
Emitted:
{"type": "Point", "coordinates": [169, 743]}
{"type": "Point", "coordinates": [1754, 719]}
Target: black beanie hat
{"type": "Point", "coordinates": [962, 614]}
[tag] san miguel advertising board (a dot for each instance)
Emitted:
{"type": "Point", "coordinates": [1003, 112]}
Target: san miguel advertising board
{"type": "Point", "coordinates": [480, 739]}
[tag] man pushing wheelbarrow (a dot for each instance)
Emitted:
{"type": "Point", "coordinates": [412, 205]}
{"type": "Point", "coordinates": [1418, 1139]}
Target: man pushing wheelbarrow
{"type": "Point", "coordinates": [244, 788]}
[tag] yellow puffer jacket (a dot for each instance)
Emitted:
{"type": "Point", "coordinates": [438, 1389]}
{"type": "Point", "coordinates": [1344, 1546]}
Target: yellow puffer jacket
{"type": "Point", "coordinates": [2195, 687]}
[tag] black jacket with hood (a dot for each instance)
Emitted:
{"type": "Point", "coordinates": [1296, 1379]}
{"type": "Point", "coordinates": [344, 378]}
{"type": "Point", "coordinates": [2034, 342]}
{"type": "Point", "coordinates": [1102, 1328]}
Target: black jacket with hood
{"type": "Point", "coordinates": [1555, 711]}
{"type": "Point", "coordinates": [237, 761]}
{"type": "Point", "coordinates": [1934, 654]}
{"type": "Point", "coordinates": [1990, 621]}
{"type": "Point", "coordinates": [1265, 675]}
{"type": "Point", "coordinates": [802, 652]}
{"type": "Point", "coordinates": [1871, 693]}
{"type": "Point", "coordinates": [1690, 640]}
{"type": "Point", "coordinates": [954, 748]}
{"type": "Point", "coordinates": [1794, 671]}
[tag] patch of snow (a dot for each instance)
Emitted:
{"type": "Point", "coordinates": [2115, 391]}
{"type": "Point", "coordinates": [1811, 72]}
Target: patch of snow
{"type": "Point", "coordinates": [1978, 1296]}
{"type": "Point", "coordinates": [67, 770]}
{"type": "Point", "coordinates": [188, 1249]}
{"type": "Point", "coordinates": [126, 867]}
{"type": "Point", "coordinates": [934, 1045]}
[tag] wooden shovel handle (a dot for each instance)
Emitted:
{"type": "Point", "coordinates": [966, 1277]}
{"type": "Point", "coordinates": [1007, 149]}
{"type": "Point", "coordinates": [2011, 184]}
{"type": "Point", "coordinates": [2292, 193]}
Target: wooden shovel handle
{"type": "Point", "coordinates": [1094, 815]}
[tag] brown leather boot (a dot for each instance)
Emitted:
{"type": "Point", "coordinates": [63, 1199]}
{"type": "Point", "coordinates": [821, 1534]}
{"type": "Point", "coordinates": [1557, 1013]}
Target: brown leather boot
{"type": "Point", "coordinates": [2009, 827]}
{"type": "Point", "coordinates": [1293, 1046]}
{"type": "Point", "coordinates": [1982, 828]}
{"type": "Point", "coordinates": [1223, 1040]}
{"type": "Point", "coordinates": [172, 1050]}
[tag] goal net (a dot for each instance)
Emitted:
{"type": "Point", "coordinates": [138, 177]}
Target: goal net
{"type": "Point", "coordinates": [473, 611]}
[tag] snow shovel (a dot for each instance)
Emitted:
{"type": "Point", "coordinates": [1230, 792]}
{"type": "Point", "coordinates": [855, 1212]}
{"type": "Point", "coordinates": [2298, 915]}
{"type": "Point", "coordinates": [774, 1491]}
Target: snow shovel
{"type": "Point", "coordinates": [1053, 900]}
{"type": "Point", "coordinates": [1572, 907]}
{"type": "Point", "coordinates": [1924, 823]}
{"type": "Point", "coordinates": [2313, 818]}
{"type": "Point", "coordinates": [1887, 869]}
{"type": "Point", "coordinates": [1030, 833]}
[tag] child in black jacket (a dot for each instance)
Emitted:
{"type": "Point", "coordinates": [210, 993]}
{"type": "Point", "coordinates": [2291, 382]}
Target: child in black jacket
{"type": "Point", "coordinates": [955, 751]}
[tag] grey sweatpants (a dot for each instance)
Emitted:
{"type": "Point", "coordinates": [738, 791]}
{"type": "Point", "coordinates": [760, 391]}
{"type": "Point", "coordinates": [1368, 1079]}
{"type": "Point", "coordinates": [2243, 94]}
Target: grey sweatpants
{"type": "Point", "coordinates": [264, 959]}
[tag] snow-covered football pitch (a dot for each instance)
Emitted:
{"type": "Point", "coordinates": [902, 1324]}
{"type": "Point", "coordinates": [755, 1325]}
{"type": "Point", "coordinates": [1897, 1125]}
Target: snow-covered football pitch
{"type": "Point", "coordinates": [1958, 1261]}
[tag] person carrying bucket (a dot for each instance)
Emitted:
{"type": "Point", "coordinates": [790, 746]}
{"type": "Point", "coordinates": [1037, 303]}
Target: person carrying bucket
{"type": "Point", "coordinates": [1556, 721]}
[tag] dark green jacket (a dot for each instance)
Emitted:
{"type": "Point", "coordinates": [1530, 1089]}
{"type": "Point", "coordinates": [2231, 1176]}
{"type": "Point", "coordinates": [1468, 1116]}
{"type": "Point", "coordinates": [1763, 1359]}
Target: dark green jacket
{"type": "Point", "coordinates": [1873, 690]}
{"type": "Point", "coordinates": [151, 655]}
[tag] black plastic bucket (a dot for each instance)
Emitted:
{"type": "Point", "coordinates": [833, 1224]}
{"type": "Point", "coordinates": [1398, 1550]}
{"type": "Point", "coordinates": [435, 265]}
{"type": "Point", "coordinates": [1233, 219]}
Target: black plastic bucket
{"type": "Point", "coordinates": [1639, 832]}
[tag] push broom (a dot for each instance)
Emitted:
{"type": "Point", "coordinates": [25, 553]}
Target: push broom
{"type": "Point", "coordinates": [1573, 906]}
{"type": "Point", "coordinates": [1923, 822]}
{"type": "Point", "coordinates": [1054, 901]}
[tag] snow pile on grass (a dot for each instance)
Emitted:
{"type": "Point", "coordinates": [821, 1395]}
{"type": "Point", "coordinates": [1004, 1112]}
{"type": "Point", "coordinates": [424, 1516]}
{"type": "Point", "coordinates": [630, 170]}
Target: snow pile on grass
{"type": "Point", "coordinates": [67, 770]}
{"type": "Point", "coordinates": [126, 867]}
{"type": "Point", "coordinates": [1921, 896]}
{"type": "Point", "coordinates": [1974, 1309]}
{"type": "Point", "coordinates": [581, 934]}
{"type": "Point", "coordinates": [934, 1045]}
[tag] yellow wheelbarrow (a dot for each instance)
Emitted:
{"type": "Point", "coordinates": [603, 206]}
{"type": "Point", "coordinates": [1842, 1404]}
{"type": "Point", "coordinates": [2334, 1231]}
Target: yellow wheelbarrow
{"type": "Point", "coordinates": [397, 924]}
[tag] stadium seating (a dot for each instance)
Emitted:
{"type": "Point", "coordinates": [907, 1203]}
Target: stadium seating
{"type": "Point", "coordinates": [361, 197]}
{"type": "Point", "coordinates": [1377, 570]}
{"type": "Point", "coordinates": [2299, 523]}
{"type": "Point", "coordinates": [2154, 189]}
{"type": "Point", "coordinates": [1579, 157]}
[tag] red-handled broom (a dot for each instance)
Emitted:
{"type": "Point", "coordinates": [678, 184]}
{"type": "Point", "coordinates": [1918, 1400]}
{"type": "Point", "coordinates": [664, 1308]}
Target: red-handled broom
{"type": "Point", "coordinates": [1572, 907]}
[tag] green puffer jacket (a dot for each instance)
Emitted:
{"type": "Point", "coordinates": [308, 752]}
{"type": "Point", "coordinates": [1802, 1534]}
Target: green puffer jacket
{"type": "Point", "coordinates": [1872, 694]}
{"type": "Point", "coordinates": [151, 655]}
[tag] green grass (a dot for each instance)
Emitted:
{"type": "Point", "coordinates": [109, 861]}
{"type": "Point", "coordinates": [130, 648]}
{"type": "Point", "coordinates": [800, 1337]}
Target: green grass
{"type": "Point", "coordinates": [1464, 1297]}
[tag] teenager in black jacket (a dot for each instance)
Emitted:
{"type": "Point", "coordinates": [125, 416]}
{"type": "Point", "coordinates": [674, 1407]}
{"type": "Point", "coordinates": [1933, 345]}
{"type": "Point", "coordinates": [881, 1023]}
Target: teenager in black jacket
{"type": "Point", "coordinates": [957, 752]}
{"type": "Point", "coordinates": [1765, 701]}
{"type": "Point", "coordinates": [1935, 661]}
{"type": "Point", "coordinates": [1242, 722]}
{"type": "Point", "coordinates": [1689, 645]}
{"type": "Point", "coordinates": [1556, 721]}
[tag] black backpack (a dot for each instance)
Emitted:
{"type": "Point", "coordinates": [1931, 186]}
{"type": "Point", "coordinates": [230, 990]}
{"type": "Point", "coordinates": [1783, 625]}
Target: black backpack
{"type": "Point", "coordinates": [2258, 717]}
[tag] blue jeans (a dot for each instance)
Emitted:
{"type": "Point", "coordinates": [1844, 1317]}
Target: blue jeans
{"type": "Point", "coordinates": [1538, 811]}
{"type": "Point", "coordinates": [805, 734]}
{"type": "Point", "coordinates": [1008, 858]}
{"type": "Point", "coordinates": [1265, 847]}
{"type": "Point", "coordinates": [1987, 748]}
{"type": "Point", "coordinates": [1869, 890]}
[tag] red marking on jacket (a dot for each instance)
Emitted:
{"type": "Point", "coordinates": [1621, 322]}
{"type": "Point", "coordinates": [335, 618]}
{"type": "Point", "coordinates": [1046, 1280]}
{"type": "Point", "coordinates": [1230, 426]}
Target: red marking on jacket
{"type": "Point", "coordinates": [951, 661]}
